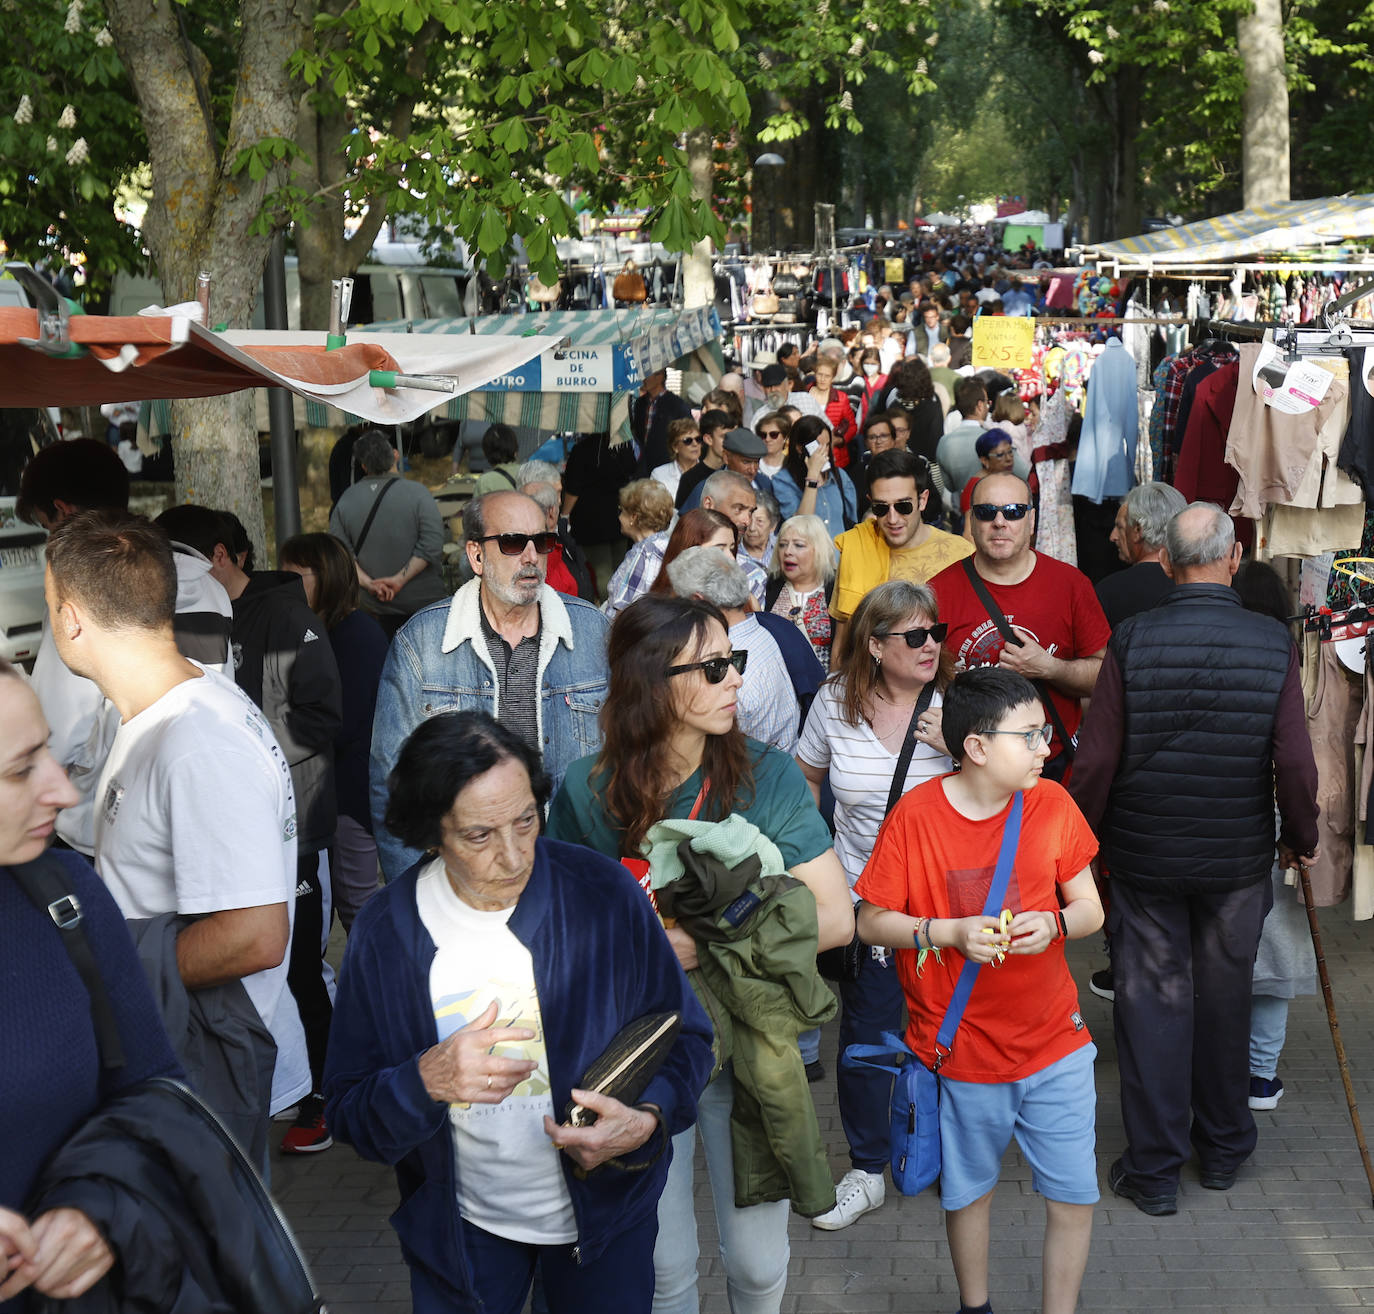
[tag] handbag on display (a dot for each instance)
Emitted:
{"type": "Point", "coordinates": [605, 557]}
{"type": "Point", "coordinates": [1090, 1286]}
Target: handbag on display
{"type": "Point", "coordinates": [541, 293]}
{"type": "Point", "coordinates": [629, 284]}
{"type": "Point", "coordinates": [764, 303]}
{"type": "Point", "coordinates": [915, 1123]}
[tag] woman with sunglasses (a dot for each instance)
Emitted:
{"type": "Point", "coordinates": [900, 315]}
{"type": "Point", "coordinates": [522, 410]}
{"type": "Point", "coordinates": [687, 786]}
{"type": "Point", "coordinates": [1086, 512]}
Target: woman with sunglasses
{"type": "Point", "coordinates": [809, 483]}
{"type": "Point", "coordinates": [672, 749]}
{"type": "Point", "coordinates": [773, 429]}
{"type": "Point", "coordinates": [684, 451]}
{"type": "Point", "coordinates": [886, 689]}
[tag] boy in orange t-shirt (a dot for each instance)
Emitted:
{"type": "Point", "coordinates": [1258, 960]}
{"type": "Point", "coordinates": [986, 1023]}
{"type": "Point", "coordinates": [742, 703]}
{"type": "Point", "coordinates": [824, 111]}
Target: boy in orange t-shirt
{"type": "Point", "coordinates": [1021, 1062]}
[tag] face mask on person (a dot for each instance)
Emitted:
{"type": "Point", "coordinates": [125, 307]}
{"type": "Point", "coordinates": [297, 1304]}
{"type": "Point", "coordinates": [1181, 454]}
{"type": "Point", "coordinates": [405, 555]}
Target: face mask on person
{"type": "Point", "coordinates": [870, 369]}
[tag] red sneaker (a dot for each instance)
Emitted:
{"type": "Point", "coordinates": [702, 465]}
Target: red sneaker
{"type": "Point", "coordinates": [308, 1134]}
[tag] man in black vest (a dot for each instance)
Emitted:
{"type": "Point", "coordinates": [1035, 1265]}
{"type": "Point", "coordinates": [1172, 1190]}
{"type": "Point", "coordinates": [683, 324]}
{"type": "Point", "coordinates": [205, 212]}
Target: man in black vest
{"type": "Point", "coordinates": [1196, 730]}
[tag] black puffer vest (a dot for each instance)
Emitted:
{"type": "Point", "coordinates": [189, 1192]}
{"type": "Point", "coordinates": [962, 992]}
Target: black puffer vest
{"type": "Point", "coordinates": [1192, 805]}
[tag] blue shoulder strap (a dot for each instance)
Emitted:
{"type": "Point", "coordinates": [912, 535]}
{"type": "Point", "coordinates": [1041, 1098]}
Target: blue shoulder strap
{"type": "Point", "coordinates": [1011, 836]}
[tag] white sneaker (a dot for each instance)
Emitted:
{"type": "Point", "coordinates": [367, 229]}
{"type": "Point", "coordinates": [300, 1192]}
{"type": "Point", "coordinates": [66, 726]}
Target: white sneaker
{"type": "Point", "coordinates": [858, 1193]}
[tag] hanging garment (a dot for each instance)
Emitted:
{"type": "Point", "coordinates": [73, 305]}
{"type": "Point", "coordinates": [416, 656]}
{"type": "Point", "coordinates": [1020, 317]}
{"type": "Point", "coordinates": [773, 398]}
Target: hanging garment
{"type": "Point", "coordinates": [1156, 426]}
{"type": "Point", "coordinates": [1356, 456]}
{"type": "Point", "coordinates": [1335, 700]}
{"type": "Point", "coordinates": [1106, 447]}
{"type": "Point", "coordinates": [1283, 458]}
{"type": "Point", "coordinates": [1362, 878]}
{"type": "Point", "coordinates": [1054, 531]}
{"type": "Point", "coordinates": [1202, 473]}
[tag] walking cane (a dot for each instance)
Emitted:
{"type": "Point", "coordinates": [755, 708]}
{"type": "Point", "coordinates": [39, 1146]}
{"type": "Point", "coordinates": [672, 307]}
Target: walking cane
{"type": "Point", "coordinates": [1335, 1026]}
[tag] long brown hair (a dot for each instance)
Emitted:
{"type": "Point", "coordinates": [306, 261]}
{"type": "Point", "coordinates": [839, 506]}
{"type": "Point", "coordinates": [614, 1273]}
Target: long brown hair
{"type": "Point", "coordinates": [336, 578]}
{"type": "Point", "coordinates": [693, 528]}
{"type": "Point", "coordinates": [631, 773]}
{"type": "Point", "coordinates": [856, 677]}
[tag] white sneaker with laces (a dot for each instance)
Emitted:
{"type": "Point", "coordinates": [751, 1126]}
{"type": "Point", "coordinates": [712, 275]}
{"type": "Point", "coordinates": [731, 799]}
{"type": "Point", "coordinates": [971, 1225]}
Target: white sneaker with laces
{"type": "Point", "coordinates": [858, 1193]}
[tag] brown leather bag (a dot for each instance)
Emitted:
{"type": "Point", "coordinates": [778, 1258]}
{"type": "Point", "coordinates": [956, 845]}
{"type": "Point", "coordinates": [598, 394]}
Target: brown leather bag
{"type": "Point", "coordinates": [765, 303]}
{"type": "Point", "coordinates": [629, 284]}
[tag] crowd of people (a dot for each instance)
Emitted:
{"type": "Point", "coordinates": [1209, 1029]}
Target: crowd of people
{"type": "Point", "coordinates": [781, 718]}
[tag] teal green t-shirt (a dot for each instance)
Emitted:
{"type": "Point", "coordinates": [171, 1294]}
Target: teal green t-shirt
{"type": "Point", "coordinates": [782, 808]}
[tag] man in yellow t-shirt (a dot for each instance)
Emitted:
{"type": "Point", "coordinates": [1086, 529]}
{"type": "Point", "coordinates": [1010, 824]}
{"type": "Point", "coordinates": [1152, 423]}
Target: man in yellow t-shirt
{"type": "Point", "coordinates": [895, 544]}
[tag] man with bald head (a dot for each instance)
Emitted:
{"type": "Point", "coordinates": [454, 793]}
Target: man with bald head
{"type": "Point", "coordinates": [505, 643]}
{"type": "Point", "coordinates": [1197, 731]}
{"type": "Point", "coordinates": [1008, 605]}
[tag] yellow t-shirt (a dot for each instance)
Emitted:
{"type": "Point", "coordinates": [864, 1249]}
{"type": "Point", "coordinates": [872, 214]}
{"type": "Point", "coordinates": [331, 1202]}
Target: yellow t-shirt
{"type": "Point", "coordinates": [866, 561]}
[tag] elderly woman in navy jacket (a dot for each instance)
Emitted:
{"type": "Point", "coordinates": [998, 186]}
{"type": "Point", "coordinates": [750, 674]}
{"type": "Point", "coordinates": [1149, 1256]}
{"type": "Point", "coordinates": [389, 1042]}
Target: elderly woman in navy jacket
{"type": "Point", "coordinates": [475, 992]}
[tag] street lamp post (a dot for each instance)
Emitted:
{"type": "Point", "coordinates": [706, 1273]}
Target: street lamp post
{"type": "Point", "coordinates": [771, 160]}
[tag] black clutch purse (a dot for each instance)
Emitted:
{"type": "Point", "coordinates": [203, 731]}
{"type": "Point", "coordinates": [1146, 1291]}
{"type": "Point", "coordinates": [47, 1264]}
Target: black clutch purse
{"type": "Point", "coordinates": [627, 1064]}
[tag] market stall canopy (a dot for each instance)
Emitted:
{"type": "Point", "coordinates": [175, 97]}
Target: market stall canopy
{"type": "Point", "coordinates": [938, 220]}
{"type": "Point", "coordinates": [1287, 226]}
{"type": "Point", "coordinates": [583, 387]}
{"type": "Point", "coordinates": [149, 357]}
{"type": "Point", "coordinates": [1031, 218]}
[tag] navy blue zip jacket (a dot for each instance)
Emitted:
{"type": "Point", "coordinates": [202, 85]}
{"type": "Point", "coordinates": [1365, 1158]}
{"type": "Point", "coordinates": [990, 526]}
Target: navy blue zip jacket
{"type": "Point", "coordinates": [601, 960]}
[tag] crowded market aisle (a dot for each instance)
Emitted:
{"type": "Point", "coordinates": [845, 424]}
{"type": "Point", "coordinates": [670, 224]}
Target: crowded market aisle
{"type": "Point", "coordinates": [1292, 1234]}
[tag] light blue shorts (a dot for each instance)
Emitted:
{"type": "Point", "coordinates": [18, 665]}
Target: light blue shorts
{"type": "Point", "coordinates": [1052, 1113]}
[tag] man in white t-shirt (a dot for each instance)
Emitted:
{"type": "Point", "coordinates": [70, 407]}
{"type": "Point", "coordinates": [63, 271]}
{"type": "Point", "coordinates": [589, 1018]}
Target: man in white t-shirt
{"type": "Point", "coordinates": [194, 809]}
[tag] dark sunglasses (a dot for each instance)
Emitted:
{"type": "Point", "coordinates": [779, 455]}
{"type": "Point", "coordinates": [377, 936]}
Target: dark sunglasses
{"type": "Point", "coordinates": [917, 638]}
{"type": "Point", "coordinates": [905, 506]}
{"type": "Point", "coordinates": [513, 545]}
{"type": "Point", "coordinates": [770, 433]}
{"type": "Point", "coordinates": [714, 668]}
{"type": "Point", "coordinates": [987, 511]}
{"type": "Point", "coordinates": [690, 438]}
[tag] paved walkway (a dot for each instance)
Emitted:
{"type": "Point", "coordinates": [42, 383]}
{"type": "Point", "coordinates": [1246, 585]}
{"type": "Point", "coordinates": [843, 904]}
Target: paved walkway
{"type": "Point", "coordinates": [1296, 1232]}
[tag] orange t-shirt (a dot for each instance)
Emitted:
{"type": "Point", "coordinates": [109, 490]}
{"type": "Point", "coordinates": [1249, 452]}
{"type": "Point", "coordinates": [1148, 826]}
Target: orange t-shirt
{"type": "Point", "coordinates": [931, 861]}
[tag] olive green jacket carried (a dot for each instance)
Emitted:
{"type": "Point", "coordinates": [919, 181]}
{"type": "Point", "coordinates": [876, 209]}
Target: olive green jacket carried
{"type": "Point", "coordinates": [755, 928]}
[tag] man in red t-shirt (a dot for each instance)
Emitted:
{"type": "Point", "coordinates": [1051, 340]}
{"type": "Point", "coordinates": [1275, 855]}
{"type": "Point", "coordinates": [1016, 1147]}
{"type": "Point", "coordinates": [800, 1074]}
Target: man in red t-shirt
{"type": "Point", "coordinates": [1051, 607]}
{"type": "Point", "coordinates": [1021, 1061]}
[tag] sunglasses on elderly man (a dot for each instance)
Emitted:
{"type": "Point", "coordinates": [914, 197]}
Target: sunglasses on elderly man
{"type": "Point", "coordinates": [987, 511]}
{"type": "Point", "coordinates": [714, 668]}
{"type": "Point", "coordinates": [513, 545]}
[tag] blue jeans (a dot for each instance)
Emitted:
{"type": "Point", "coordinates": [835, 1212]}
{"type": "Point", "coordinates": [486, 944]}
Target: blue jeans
{"type": "Point", "coordinates": [868, 1007]}
{"type": "Point", "coordinates": [1268, 1028]}
{"type": "Point", "coordinates": [753, 1241]}
{"type": "Point", "coordinates": [809, 1042]}
{"type": "Point", "coordinates": [621, 1278]}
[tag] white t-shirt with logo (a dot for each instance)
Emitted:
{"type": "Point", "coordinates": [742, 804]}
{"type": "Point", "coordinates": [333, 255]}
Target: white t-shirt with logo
{"type": "Point", "coordinates": [195, 815]}
{"type": "Point", "coordinates": [510, 1180]}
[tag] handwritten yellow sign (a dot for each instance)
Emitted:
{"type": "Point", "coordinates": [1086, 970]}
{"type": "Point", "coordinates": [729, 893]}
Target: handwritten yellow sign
{"type": "Point", "coordinates": [1003, 342]}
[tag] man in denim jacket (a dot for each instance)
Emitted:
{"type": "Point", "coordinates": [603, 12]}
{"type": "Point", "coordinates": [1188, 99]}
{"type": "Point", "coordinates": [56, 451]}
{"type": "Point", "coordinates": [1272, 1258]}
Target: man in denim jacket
{"type": "Point", "coordinates": [505, 643]}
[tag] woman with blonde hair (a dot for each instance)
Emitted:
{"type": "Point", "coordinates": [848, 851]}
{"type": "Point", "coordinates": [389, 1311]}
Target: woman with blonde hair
{"type": "Point", "coordinates": [646, 507]}
{"type": "Point", "coordinates": [874, 733]}
{"type": "Point", "coordinates": [801, 576]}
{"type": "Point", "coordinates": [684, 451]}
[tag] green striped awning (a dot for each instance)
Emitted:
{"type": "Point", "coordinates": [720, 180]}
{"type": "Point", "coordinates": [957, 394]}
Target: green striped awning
{"type": "Point", "coordinates": [1287, 226]}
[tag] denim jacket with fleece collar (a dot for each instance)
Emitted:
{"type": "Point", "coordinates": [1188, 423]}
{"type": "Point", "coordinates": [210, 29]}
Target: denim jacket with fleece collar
{"type": "Point", "coordinates": [439, 662]}
{"type": "Point", "coordinates": [600, 960]}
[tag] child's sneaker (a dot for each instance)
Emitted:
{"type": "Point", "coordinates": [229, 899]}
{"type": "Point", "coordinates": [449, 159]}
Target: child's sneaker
{"type": "Point", "coordinates": [1265, 1092]}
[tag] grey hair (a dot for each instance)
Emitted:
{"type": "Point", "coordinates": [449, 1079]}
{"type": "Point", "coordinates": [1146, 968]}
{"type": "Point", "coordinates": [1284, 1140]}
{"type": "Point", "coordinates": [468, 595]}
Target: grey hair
{"type": "Point", "coordinates": [1150, 507]}
{"type": "Point", "coordinates": [1213, 543]}
{"type": "Point", "coordinates": [717, 485]}
{"type": "Point", "coordinates": [813, 530]}
{"type": "Point", "coordinates": [375, 452]}
{"type": "Point", "coordinates": [538, 472]}
{"type": "Point", "coordinates": [474, 522]}
{"type": "Point", "coordinates": [706, 572]}
{"type": "Point", "coordinates": [769, 503]}
{"type": "Point", "coordinates": [543, 493]}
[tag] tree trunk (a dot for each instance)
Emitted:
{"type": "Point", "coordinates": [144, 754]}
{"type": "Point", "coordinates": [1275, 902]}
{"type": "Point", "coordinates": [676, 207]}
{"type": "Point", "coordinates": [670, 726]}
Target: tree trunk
{"type": "Point", "coordinates": [1264, 107]}
{"type": "Point", "coordinates": [698, 282]}
{"type": "Point", "coordinates": [1127, 198]}
{"type": "Point", "coordinates": [202, 213]}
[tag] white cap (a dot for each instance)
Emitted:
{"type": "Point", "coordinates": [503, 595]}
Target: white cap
{"type": "Point", "coordinates": [762, 359]}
